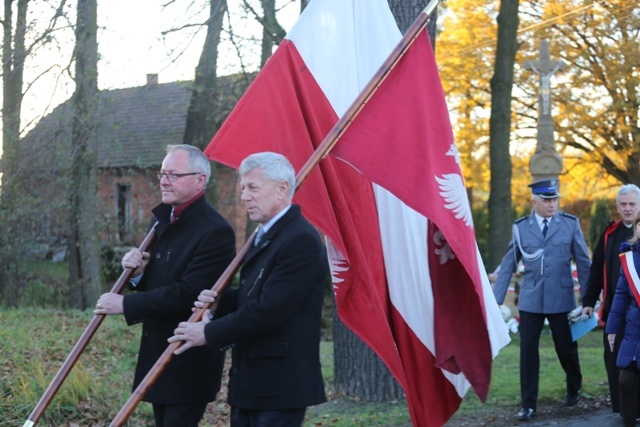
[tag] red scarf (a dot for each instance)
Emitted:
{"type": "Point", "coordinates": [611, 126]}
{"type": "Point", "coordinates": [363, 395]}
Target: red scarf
{"type": "Point", "coordinates": [177, 210]}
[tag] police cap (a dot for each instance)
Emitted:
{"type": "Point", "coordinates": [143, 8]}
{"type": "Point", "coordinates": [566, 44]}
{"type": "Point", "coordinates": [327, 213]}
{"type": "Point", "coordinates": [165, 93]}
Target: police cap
{"type": "Point", "coordinates": [547, 188]}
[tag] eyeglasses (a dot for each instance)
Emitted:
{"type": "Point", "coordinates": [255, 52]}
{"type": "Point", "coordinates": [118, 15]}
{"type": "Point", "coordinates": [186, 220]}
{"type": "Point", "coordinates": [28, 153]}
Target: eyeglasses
{"type": "Point", "coordinates": [173, 177]}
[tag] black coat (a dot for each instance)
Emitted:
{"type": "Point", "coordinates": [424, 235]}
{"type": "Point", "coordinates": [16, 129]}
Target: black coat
{"type": "Point", "coordinates": [274, 325]}
{"type": "Point", "coordinates": [605, 268]}
{"type": "Point", "coordinates": [187, 257]}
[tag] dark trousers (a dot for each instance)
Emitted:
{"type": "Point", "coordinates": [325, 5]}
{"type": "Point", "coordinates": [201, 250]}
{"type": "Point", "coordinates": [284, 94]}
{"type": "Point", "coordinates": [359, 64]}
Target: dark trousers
{"type": "Point", "coordinates": [257, 418]}
{"type": "Point", "coordinates": [567, 350]}
{"type": "Point", "coordinates": [629, 394]}
{"type": "Point", "coordinates": [613, 372]}
{"type": "Point", "coordinates": [178, 415]}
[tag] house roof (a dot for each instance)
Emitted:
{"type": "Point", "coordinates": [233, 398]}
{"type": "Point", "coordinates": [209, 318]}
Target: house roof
{"type": "Point", "coordinates": [134, 126]}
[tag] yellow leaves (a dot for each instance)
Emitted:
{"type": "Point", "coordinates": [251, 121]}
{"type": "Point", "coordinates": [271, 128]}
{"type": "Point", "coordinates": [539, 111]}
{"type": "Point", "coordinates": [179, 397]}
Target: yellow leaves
{"type": "Point", "coordinates": [594, 100]}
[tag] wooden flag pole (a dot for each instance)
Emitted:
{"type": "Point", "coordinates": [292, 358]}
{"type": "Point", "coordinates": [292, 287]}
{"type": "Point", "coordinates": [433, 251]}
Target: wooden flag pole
{"type": "Point", "coordinates": [86, 336]}
{"type": "Point", "coordinates": [320, 153]}
{"type": "Point", "coordinates": [164, 359]}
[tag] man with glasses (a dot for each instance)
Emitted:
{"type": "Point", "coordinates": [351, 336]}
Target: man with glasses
{"type": "Point", "coordinates": [193, 246]}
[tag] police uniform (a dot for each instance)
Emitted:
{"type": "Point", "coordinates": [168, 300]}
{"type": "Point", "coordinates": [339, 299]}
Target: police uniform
{"type": "Point", "coordinates": [546, 292]}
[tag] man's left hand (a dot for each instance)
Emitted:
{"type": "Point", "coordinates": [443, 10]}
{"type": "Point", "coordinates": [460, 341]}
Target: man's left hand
{"type": "Point", "coordinates": [109, 303]}
{"type": "Point", "coordinates": [192, 334]}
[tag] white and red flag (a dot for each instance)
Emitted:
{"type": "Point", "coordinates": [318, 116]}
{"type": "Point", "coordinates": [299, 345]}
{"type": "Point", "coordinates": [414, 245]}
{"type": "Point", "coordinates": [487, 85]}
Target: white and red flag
{"type": "Point", "coordinates": [407, 275]}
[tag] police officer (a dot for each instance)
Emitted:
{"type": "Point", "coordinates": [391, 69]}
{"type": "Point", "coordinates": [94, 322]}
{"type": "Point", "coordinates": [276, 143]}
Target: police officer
{"type": "Point", "coordinates": [545, 241]}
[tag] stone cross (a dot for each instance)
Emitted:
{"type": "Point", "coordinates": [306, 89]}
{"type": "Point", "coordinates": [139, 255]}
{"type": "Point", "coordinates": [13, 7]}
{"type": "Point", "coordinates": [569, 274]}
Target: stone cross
{"type": "Point", "coordinates": [546, 163]}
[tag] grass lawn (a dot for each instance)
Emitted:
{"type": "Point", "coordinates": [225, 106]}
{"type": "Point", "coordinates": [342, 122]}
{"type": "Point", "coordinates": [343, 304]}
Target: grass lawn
{"type": "Point", "coordinates": [35, 342]}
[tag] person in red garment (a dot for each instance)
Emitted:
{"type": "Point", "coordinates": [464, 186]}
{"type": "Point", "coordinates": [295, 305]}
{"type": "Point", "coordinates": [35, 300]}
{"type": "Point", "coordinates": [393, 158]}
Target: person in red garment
{"type": "Point", "coordinates": [604, 275]}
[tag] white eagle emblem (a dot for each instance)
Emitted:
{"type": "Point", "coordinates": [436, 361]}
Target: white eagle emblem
{"type": "Point", "coordinates": [453, 151]}
{"type": "Point", "coordinates": [337, 263]}
{"type": "Point", "coordinates": [455, 195]}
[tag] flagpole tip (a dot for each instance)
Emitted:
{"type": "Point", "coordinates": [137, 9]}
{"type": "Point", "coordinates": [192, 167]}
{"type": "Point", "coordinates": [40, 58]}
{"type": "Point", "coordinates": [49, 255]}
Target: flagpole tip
{"type": "Point", "coordinates": [431, 6]}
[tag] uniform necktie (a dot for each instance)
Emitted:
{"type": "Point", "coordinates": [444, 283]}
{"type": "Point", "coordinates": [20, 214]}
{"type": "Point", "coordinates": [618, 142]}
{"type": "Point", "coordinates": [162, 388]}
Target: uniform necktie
{"type": "Point", "coordinates": [545, 227]}
{"type": "Point", "coordinates": [258, 235]}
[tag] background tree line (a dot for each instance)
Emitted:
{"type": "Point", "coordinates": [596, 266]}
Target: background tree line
{"type": "Point", "coordinates": [595, 101]}
{"type": "Point", "coordinates": [481, 49]}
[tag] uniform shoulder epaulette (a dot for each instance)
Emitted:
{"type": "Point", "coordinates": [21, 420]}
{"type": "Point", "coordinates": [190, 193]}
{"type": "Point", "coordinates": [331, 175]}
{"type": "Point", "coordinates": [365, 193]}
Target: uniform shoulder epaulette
{"type": "Point", "coordinates": [521, 219]}
{"type": "Point", "coordinates": [568, 215]}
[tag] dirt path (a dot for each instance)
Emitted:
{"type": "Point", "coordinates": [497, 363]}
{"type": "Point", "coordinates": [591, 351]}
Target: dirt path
{"type": "Point", "coordinates": [588, 412]}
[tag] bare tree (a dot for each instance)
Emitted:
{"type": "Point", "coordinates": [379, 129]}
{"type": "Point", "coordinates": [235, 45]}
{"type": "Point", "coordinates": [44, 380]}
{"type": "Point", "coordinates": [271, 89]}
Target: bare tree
{"type": "Point", "coordinates": [202, 117]}
{"type": "Point", "coordinates": [272, 31]}
{"type": "Point", "coordinates": [405, 11]}
{"type": "Point", "coordinates": [84, 259]}
{"type": "Point", "coordinates": [13, 56]}
{"type": "Point", "coordinates": [17, 30]}
{"type": "Point", "coordinates": [500, 131]}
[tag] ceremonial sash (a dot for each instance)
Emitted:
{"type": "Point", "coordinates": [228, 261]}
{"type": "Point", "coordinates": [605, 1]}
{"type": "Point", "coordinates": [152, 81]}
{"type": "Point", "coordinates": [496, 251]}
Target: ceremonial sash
{"type": "Point", "coordinates": [631, 273]}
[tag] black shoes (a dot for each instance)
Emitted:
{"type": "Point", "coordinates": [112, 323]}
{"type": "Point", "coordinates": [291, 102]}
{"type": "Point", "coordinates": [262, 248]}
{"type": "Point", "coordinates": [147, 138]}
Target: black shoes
{"type": "Point", "coordinates": [571, 400]}
{"type": "Point", "coordinates": [525, 414]}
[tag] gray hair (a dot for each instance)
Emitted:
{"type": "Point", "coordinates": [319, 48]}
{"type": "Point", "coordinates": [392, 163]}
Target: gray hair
{"type": "Point", "coordinates": [628, 189]}
{"type": "Point", "coordinates": [539, 198]}
{"type": "Point", "coordinates": [275, 167]}
{"type": "Point", "coordinates": [198, 162]}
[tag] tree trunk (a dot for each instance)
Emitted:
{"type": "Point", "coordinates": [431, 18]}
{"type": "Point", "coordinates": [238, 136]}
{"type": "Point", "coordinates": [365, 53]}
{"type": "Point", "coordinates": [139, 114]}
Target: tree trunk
{"type": "Point", "coordinates": [500, 130]}
{"type": "Point", "coordinates": [203, 112]}
{"type": "Point", "coordinates": [268, 37]}
{"type": "Point", "coordinates": [84, 259]}
{"type": "Point", "coordinates": [11, 227]}
{"type": "Point", "coordinates": [406, 11]}
{"type": "Point", "coordinates": [358, 371]}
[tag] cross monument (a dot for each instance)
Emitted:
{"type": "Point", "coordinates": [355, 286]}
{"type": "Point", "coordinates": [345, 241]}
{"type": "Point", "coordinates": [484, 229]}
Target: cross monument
{"type": "Point", "coordinates": [546, 163]}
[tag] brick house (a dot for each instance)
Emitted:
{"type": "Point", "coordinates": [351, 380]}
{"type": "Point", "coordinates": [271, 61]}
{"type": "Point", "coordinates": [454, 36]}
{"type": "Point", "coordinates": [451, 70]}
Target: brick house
{"type": "Point", "coordinates": [135, 126]}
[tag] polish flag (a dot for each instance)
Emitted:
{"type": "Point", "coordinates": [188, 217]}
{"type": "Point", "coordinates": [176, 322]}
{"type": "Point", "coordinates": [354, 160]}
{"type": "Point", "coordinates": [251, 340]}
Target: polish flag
{"type": "Point", "coordinates": [407, 275]}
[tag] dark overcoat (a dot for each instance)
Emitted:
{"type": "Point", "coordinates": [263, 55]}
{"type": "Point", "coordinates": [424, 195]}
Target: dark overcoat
{"type": "Point", "coordinates": [274, 323]}
{"type": "Point", "coordinates": [605, 266]}
{"type": "Point", "coordinates": [187, 257]}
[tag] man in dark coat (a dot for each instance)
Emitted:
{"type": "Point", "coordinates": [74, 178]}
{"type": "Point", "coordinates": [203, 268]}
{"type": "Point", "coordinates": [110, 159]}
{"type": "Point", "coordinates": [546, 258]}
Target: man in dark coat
{"type": "Point", "coordinates": [604, 274]}
{"type": "Point", "coordinates": [193, 246]}
{"type": "Point", "coordinates": [546, 242]}
{"type": "Point", "coordinates": [272, 320]}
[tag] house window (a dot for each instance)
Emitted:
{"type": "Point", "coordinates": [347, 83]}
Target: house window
{"type": "Point", "coordinates": [123, 212]}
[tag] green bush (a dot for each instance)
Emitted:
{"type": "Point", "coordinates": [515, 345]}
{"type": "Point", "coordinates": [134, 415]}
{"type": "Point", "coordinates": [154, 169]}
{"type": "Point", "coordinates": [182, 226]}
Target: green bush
{"type": "Point", "coordinates": [600, 217]}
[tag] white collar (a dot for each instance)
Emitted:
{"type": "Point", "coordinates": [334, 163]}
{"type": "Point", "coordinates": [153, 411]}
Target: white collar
{"type": "Point", "coordinates": [539, 219]}
{"type": "Point", "coordinates": [267, 225]}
